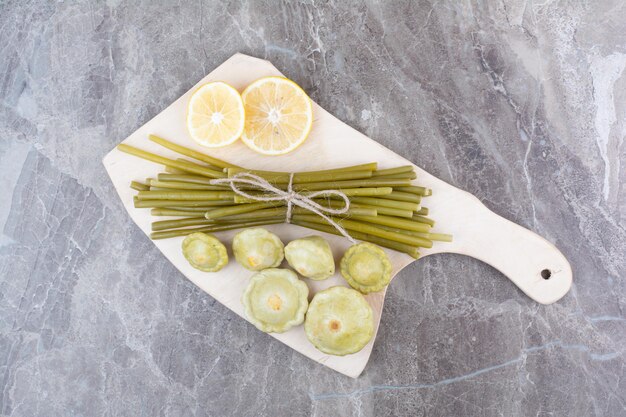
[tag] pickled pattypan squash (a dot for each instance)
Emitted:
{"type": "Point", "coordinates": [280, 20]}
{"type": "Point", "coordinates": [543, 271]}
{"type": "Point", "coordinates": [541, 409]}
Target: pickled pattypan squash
{"type": "Point", "coordinates": [205, 252]}
{"type": "Point", "coordinates": [311, 257]}
{"type": "Point", "coordinates": [339, 321]}
{"type": "Point", "coordinates": [366, 267]}
{"type": "Point", "coordinates": [256, 249]}
{"type": "Point", "coordinates": [275, 300]}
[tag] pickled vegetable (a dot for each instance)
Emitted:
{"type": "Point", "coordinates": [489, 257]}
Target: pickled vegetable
{"type": "Point", "coordinates": [385, 207]}
{"type": "Point", "coordinates": [275, 300]}
{"type": "Point", "coordinates": [366, 267]}
{"type": "Point", "coordinates": [205, 252]}
{"type": "Point", "coordinates": [339, 321]}
{"type": "Point", "coordinates": [311, 257]}
{"type": "Point", "coordinates": [257, 249]}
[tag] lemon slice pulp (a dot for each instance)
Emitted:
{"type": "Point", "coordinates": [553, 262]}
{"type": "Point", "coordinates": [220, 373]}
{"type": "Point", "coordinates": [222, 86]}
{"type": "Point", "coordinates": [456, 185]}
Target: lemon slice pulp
{"type": "Point", "coordinates": [216, 115]}
{"type": "Point", "coordinates": [279, 115]}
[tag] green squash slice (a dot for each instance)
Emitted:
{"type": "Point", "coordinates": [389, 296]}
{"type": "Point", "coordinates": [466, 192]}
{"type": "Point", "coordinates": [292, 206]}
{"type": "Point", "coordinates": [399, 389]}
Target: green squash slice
{"type": "Point", "coordinates": [366, 267]}
{"type": "Point", "coordinates": [205, 252]}
{"type": "Point", "coordinates": [256, 249]}
{"type": "Point", "coordinates": [339, 321]}
{"type": "Point", "coordinates": [311, 257]}
{"type": "Point", "coordinates": [275, 300]}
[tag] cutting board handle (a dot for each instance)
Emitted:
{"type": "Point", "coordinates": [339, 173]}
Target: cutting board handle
{"type": "Point", "coordinates": [535, 265]}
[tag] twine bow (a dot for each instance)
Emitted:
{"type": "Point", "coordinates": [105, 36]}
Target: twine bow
{"type": "Point", "coordinates": [290, 197]}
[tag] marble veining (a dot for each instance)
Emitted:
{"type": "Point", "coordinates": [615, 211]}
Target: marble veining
{"type": "Point", "coordinates": [522, 103]}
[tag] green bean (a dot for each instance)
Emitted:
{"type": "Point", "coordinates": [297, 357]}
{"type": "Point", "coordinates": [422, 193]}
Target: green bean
{"type": "Point", "coordinates": [246, 201]}
{"type": "Point", "coordinates": [210, 229]}
{"type": "Point", "coordinates": [282, 212]}
{"type": "Point", "coordinates": [441, 237]}
{"type": "Point", "coordinates": [349, 192]}
{"type": "Point", "coordinates": [194, 179]}
{"type": "Point", "coordinates": [175, 171]}
{"type": "Point", "coordinates": [395, 222]}
{"type": "Point", "coordinates": [184, 179]}
{"type": "Point", "coordinates": [405, 175]}
{"type": "Point", "coordinates": [339, 185]}
{"type": "Point", "coordinates": [367, 191]}
{"type": "Point", "coordinates": [392, 171]}
{"type": "Point", "coordinates": [370, 166]}
{"type": "Point", "coordinates": [381, 202]}
{"type": "Point", "coordinates": [186, 195]}
{"type": "Point", "coordinates": [362, 167]}
{"type": "Point", "coordinates": [238, 209]}
{"type": "Point", "coordinates": [400, 247]}
{"type": "Point", "coordinates": [185, 166]}
{"type": "Point", "coordinates": [364, 192]}
{"type": "Point", "coordinates": [338, 204]}
{"type": "Point", "coordinates": [139, 186]}
{"type": "Point", "coordinates": [180, 203]}
{"type": "Point", "coordinates": [213, 167]}
{"type": "Point", "coordinates": [414, 189]}
{"type": "Point", "coordinates": [352, 211]}
{"type": "Point", "coordinates": [179, 213]}
{"type": "Point", "coordinates": [401, 196]}
{"type": "Point", "coordinates": [174, 224]}
{"type": "Point", "coordinates": [303, 177]}
{"type": "Point", "coordinates": [177, 185]}
{"type": "Point", "coordinates": [255, 215]}
{"type": "Point", "coordinates": [387, 211]}
{"type": "Point", "coordinates": [190, 152]}
{"type": "Point", "coordinates": [423, 219]}
{"type": "Point", "coordinates": [423, 211]}
{"type": "Point", "coordinates": [199, 221]}
{"type": "Point", "coordinates": [359, 209]}
{"type": "Point", "coordinates": [189, 164]}
{"type": "Point", "coordinates": [198, 209]}
{"type": "Point", "coordinates": [357, 226]}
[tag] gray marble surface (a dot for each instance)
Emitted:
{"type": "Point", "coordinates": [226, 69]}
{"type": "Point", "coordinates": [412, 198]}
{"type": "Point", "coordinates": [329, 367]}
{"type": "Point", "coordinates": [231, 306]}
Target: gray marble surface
{"type": "Point", "coordinates": [522, 103]}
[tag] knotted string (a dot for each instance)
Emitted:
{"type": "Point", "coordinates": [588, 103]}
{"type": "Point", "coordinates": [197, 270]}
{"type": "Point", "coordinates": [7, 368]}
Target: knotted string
{"type": "Point", "coordinates": [290, 197]}
{"type": "Point", "coordinates": [289, 203]}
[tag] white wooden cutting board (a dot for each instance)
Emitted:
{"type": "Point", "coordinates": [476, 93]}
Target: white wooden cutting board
{"type": "Point", "coordinates": [518, 253]}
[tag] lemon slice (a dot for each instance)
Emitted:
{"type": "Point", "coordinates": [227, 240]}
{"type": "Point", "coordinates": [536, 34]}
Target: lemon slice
{"type": "Point", "coordinates": [279, 115]}
{"type": "Point", "coordinates": [216, 115]}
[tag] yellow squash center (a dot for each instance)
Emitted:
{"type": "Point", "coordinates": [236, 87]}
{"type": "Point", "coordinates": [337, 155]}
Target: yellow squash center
{"type": "Point", "coordinates": [334, 325]}
{"type": "Point", "coordinates": [274, 302]}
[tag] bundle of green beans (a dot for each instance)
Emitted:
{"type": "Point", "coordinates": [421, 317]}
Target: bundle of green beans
{"type": "Point", "coordinates": [385, 207]}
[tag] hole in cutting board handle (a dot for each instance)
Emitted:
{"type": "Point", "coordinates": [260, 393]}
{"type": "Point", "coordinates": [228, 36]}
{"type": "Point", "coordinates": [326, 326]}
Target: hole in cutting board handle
{"type": "Point", "coordinates": [546, 274]}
